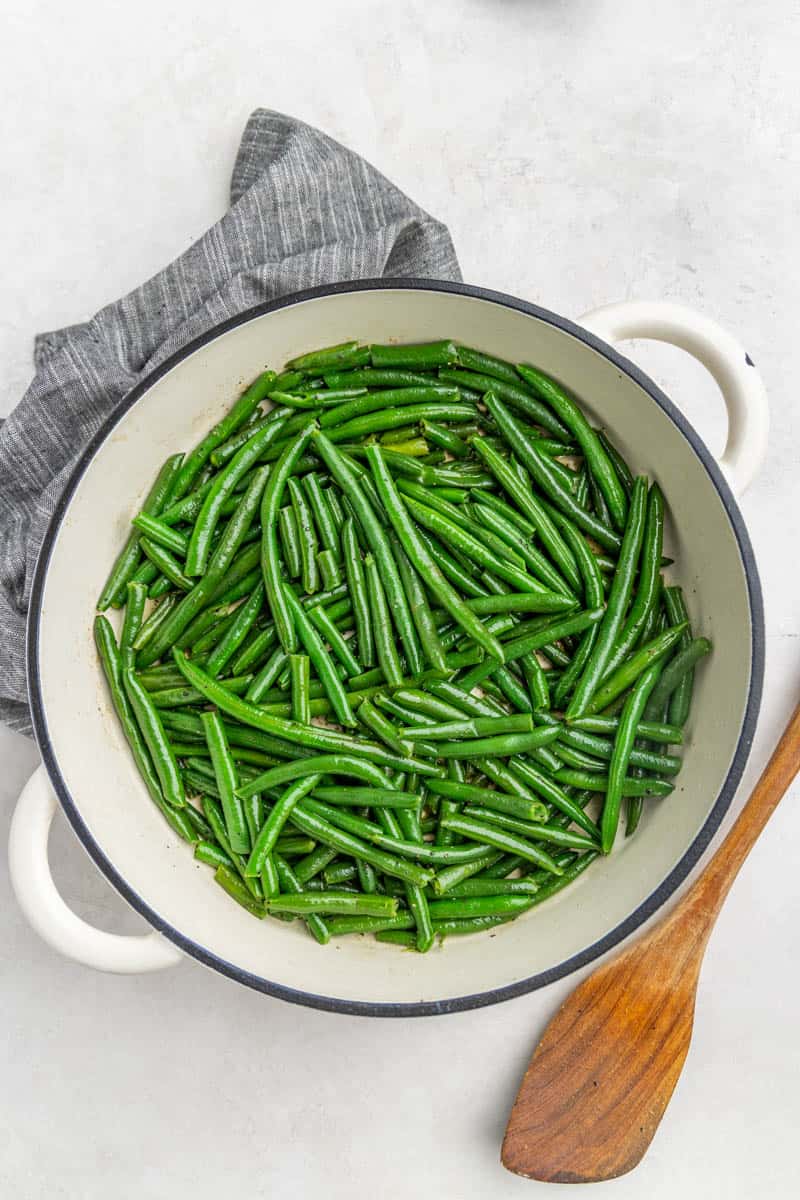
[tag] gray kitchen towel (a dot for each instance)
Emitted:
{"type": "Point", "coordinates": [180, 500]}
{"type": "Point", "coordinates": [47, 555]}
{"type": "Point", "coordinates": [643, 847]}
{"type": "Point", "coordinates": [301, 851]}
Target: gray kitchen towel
{"type": "Point", "coordinates": [304, 211]}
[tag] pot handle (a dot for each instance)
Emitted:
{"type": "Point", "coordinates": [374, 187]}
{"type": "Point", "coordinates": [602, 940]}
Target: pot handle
{"type": "Point", "coordinates": [721, 355]}
{"type": "Point", "coordinates": [44, 908]}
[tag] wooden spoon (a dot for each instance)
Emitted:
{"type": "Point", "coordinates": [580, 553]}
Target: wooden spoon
{"type": "Point", "coordinates": [603, 1074]}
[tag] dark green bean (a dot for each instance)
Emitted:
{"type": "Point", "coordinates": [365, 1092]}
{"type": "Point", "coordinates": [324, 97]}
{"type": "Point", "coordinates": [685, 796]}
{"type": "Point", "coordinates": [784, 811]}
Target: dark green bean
{"type": "Point", "coordinates": [270, 560]}
{"type": "Point", "coordinates": [676, 670]}
{"type": "Point", "coordinates": [623, 746]}
{"type": "Point", "coordinates": [125, 564]}
{"type": "Point", "coordinates": [227, 782]}
{"type": "Point", "coordinates": [615, 684]}
{"type": "Point", "coordinates": [300, 669]}
{"type": "Point", "coordinates": [517, 395]}
{"type": "Point", "coordinates": [616, 608]}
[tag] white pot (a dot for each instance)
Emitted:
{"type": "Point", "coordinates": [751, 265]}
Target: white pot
{"type": "Point", "coordinates": [86, 760]}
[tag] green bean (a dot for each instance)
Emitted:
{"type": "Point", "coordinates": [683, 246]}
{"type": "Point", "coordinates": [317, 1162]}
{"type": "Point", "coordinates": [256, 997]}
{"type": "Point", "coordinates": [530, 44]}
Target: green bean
{"type": "Point", "coordinates": [112, 669]}
{"type": "Point", "coordinates": [461, 517]}
{"type": "Point", "coordinates": [377, 723]}
{"type": "Point", "coordinates": [676, 670]}
{"type": "Point", "coordinates": [623, 746]}
{"type": "Point", "coordinates": [270, 562]}
{"type": "Point", "coordinates": [648, 588]}
{"type": "Point", "coordinates": [238, 415]}
{"type": "Point", "coordinates": [499, 747]}
{"type": "Point", "coordinates": [491, 515]}
{"type": "Point", "coordinates": [134, 612]}
{"type": "Point", "coordinates": [340, 646]}
{"type": "Point", "coordinates": [213, 855]}
{"type": "Point", "coordinates": [414, 358]}
{"type": "Point", "coordinates": [367, 797]}
{"type": "Point", "coordinates": [546, 476]}
{"type": "Point", "coordinates": [265, 678]}
{"type": "Point", "coordinates": [329, 569]}
{"type": "Point", "coordinates": [659, 764]}
{"type": "Point", "coordinates": [599, 783]}
{"type": "Point", "coordinates": [167, 564]}
{"type": "Point", "coordinates": [473, 547]}
{"type": "Point", "coordinates": [445, 439]}
{"type": "Point", "coordinates": [479, 906]}
{"type": "Point", "coordinates": [596, 455]}
{"type": "Point", "coordinates": [233, 885]}
{"type": "Point", "coordinates": [290, 541]}
{"type": "Point", "coordinates": [421, 559]}
{"type": "Point", "coordinates": [473, 727]}
{"type": "Point", "coordinates": [333, 903]}
{"type": "Point", "coordinates": [346, 843]}
{"type": "Point", "coordinates": [331, 358]}
{"type": "Point", "coordinates": [339, 873]}
{"type": "Point", "coordinates": [307, 536]}
{"type": "Point", "coordinates": [339, 926]}
{"type": "Point", "coordinates": [379, 546]}
{"type": "Point", "coordinates": [489, 834]}
{"type": "Point", "coordinates": [526, 775]}
{"type": "Point", "coordinates": [368, 377]}
{"type": "Point", "coordinates": [328, 764]}
{"type": "Point", "coordinates": [616, 608]}
{"type": "Point", "coordinates": [392, 842]}
{"type": "Point", "coordinates": [653, 731]}
{"type": "Point", "coordinates": [419, 607]}
{"type": "Point", "coordinates": [243, 620]}
{"type": "Point", "coordinates": [539, 831]}
{"type": "Point", "coordinates": [618, 462]}
{"type": "Point", "coordinates": [451, 569]}
{"type": "Point", "coordinates": [226, 780]}
{"type": "Point", "coordinates": [125, 564]}
{"type": "Point", "coordinates": [681, 699]}
{"type": "Point", "coordinates": [515, 806]}
{"type": "Point", "coordinates": [322, 514]}
{"type": "Point", "coordinates": [314, 863]}
{"type": "Point", "coordinates": [253, 812]}
{"type": "Point", "coordinates": [161, 534]}
{"type": "Point", "coordinates": [517, 395]}
{"type": "Point", "coordinates": [272, 827]}
{"type": "Point", "coordinates": [300, 667]}
{"type": "Point", "coordinates": [358, 590]}
{"type": "Point", "coordinates": [633, 667]}
{"type": "Point", "coordinates": [457, 873]}
{"type": "Point", "coordinates": [487, 364]}
{"type": "Point", "coordinates": [291, 885]}
{"type": "Point", "coordinates": [495, 887]}
{"type": "Point", "coordinates": [219, 574]}
{"type": "Point", "coordinates": [391, 418]}
{"type": "Point", "coordinates": [386, 650]}
{"type": "Point", "coordinates": [532, 507]}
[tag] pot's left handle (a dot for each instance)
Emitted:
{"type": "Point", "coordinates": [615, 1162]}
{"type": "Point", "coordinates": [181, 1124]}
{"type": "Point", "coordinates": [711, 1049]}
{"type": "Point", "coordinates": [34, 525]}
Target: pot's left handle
{"type": "Point", "coordinates": [39, 898]}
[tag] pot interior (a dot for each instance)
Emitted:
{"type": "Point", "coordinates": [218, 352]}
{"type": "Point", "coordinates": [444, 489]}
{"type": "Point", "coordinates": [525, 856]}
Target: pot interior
{"type": "Point", "coordinates": [97, 778]}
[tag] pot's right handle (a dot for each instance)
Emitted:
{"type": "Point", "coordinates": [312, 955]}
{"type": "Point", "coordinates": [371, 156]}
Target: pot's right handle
{"type": "Point", "coordinates": [41, 903]}
{"type": "Point", "coordinates": [720, 353]}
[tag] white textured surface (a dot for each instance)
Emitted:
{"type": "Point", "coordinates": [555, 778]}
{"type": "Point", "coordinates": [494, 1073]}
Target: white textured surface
{"type": "Point", "coordinates": [581, 151]}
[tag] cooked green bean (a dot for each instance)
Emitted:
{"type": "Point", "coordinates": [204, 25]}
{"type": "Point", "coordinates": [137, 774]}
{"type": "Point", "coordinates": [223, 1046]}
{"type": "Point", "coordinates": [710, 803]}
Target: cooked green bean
{"type": "Point", "coordinates": [676, 670]}
{"type": "Point", "coordinates": [227, 782]}
{"type": "Point", "coordinates": [270, 560]}
{"type": "Point", "coordinates": [122, 572]}
{"type": "Point", "coordinates": [430, 526]}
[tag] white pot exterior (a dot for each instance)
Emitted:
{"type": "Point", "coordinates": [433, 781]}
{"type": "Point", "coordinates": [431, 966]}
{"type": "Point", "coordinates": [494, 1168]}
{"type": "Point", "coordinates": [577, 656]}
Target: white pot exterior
{"type": "Point", "coordinates": [94, 775]}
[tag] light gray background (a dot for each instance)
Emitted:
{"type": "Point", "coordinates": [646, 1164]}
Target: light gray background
{"type": "Point", "coordinates": [582, 151]}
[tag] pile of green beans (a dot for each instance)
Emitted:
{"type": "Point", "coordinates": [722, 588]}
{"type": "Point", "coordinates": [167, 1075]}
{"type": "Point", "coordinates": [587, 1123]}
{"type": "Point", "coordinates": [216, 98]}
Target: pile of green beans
{"type": "Point", "coordinates": [396, 645]}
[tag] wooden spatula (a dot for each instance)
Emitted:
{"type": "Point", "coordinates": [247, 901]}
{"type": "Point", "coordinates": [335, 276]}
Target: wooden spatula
{"type": "Point", "coordinates": [603, 1074]}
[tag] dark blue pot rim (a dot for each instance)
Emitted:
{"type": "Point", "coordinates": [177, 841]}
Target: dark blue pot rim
{"type": "Point", "coordinates": [477, 999]}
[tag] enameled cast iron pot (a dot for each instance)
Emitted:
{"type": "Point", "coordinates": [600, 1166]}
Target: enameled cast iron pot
{"type": "Point", "coordinates": [87, 765]}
